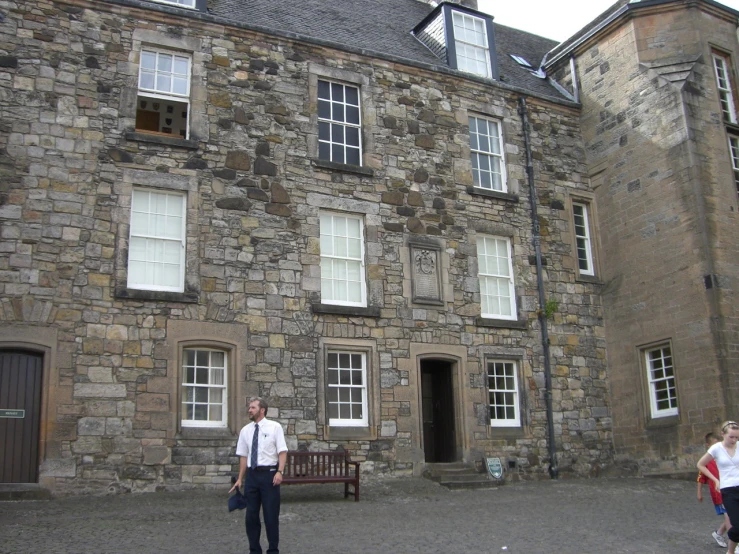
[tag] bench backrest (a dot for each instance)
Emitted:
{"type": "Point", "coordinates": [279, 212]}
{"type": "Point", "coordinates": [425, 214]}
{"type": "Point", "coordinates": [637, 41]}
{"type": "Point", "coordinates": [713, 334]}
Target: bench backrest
{"type": "Point", "coordinates": [318, 464]}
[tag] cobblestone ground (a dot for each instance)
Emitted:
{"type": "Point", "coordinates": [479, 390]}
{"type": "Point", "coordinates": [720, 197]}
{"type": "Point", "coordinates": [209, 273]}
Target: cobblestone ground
{"type": "Point", "coordinates": [393, 516]}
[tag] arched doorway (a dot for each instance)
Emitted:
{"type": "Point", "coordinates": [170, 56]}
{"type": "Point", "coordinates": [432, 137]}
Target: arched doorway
{"type": "Point", "coordinates": [21, 374]}
{"type": "Point", "coordinates": [438, 411]}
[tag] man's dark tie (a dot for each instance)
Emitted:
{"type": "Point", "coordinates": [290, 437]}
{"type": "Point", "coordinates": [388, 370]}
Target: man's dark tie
{"type": "Point", "coordinates": [254, 446]}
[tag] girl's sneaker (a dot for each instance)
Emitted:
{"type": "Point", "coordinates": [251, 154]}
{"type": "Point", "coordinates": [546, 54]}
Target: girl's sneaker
{"type": "Point", "coordinates": [719, 539]}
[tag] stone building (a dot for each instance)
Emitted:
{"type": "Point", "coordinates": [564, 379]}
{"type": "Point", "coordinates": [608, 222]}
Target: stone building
{"type": "Point", "coordinates": [326, 204]}
{"type": "Point", "coordinates": [657, 83]}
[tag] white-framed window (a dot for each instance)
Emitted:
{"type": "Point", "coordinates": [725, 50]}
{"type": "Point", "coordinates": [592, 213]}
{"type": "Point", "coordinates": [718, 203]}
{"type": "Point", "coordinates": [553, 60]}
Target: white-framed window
{"type": "Point", "coordinates": [661, 378]}
{"type": "Point", "coordinates": [486, 154]}
{"type": "Point", "coordinates": [183, 3]}
{"type": "Point", "coordinates": [503, 393]}
{"type": "Point", "coordinates": [163, 101]}
{"type": "Point", "coordinates": [346, 378]}
{"type": "Point", "coordinates": [342, 260]}
{"type": "Point", "coordinates": [734, 151]}
{"type": "Point", "coordinates": [583, 241]}
{"type": "Point", "coordinates": [495, 263]}
{"type": "Point", "coordinates": [721, 65]}
{"type": "Point", "coordinates": [339, 123]}
{"type": "Point", "coordinates": [156, 245]}
{"type": "Point", "coordinates": [204, 387]}
{"type": "Point", "coordinates": [471, 43]}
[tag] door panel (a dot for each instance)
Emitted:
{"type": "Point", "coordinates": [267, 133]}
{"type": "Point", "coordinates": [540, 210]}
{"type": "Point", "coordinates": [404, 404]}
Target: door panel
{"type": "Point", "coordinates": [437, 407]}
{"type": "Point", "coordinates": [20, 389]}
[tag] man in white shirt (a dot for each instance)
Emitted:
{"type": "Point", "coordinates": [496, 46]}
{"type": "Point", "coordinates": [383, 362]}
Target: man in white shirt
{"type": "Point", "coordinates": [263, 452]}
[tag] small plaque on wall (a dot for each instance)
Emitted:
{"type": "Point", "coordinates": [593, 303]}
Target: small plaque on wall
{"type": "Point", "coordinates": [426, 274]}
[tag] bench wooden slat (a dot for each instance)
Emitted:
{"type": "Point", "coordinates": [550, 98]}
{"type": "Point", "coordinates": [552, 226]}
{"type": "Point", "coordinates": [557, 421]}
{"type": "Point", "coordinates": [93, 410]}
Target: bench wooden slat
{"type": "Point", "coordinates": [322, 467]}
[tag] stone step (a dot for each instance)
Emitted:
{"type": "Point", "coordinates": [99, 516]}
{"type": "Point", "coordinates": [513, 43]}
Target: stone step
{"type": "Point", "coordinates": [467, 485]}
{"type": "Point", "coordinates": [458, 475]}
{"type": "Point", "coordinates": [23, 491]}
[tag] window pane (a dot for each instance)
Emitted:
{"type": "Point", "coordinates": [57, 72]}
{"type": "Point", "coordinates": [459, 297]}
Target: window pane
{"type": "Point", "coordinates": [216, 413]}
{"type": "Point", "coordinates": [148, 59]}
{"type": "Point", "coordinates": [323, 90]}
{"type": "Point", "coordinates": [352, 96]}
{"type": "Point", "coordinates": [164, 83]}
{"type": "Point", "coordinates": [352, 115]}
{"type": "Point", "coordinates": [324, 109]}
{"type": "Point", "coordinates": [337, 112]}
{"type": "Point", "coordinates": [201, 394]}
{"type": "Point", "coordinates": [356, 411]}
{"type": "Point", "coordinates": [333, 411]}
{"type": "Point", "coordinates": [337, 92]}
{"type": "Point", "coordinates": [164, 62]}
{"type": "Point", "coordinates": [146, 80]}
{"type": "Point", "coordinates": [324, 151]}
{"type": "Point", "coordinates": [216, 396]}
{"type": "Point", "coordinates": [337, 154]}
{"type": "Point", "coordinates": [352, 136]}
{"type": "Point", "coordinates": [352, 156]}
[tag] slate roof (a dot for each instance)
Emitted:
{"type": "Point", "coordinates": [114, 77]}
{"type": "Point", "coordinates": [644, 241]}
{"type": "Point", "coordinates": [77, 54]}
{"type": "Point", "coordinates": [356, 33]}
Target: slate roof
{"type": "Point", "coordinates": [381, 28]}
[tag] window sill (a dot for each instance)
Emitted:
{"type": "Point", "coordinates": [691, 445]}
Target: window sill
{"type": "Point", "coordinates": [157, 295]}
{"type": "Point", "coordinates": [359, 169]}
{"type": "Point", "coordinates": [205, 433]}
{"type": "Point", "coordinates": [505, 432]}
{"type": "Point", "coordinates": [350, 433]}
{"type": "Point", "coordinates": [162, 139]}
{"type": "Point", "coordinates": [588, 279]}
{"type": "Point", "coordinates": [733, 128]}
{"type": "Point", "coordinates": [662, 422]}
{"type": "Point", "coordinates": [346, 310]}
{"type": "Point", "coordinates": [501, 323]}
{"type": "Point", "coordinates": [492, 194]}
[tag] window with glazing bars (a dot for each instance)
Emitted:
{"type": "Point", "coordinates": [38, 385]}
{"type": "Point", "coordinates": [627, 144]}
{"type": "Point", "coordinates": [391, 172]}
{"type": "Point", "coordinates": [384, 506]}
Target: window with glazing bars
{"type": "Point", "coordinates": [471, 43]}
{"type": "Point", "coordinates": [204, 390]}
{"type": "Point", "coordinates": [156, 249]}
{"type": "Point", "coordinates": [495, 266]}
{"type": "Point", "coordinates": [342, 260]}
{"type": "Point", "coordinates": [734, 151]}
{"type": "Point", "coordinates": [721, 65]}
{"type": "Point", "coordinates": [163, 101]}
{"type": "Point", "coordinates": [486, 153]}
{"type": "Point", "coordinates": [662, 386]}
{"type": "Point", "coordinates": [582, 238]}
{"type": "Point", "coordinates": [503, 394]}
{"type": "Point", "coordinates": [339, 123]}
{"type": "Point", "coordinates": [347, 389]}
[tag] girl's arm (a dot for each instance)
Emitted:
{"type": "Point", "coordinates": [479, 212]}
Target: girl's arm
{"type": "Point", "coordinates": [702, 463]}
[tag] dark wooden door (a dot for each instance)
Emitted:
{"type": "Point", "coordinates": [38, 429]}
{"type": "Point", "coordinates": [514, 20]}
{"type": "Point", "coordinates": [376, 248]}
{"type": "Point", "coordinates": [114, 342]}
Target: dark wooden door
{"type": "Point", "coordinates": [20, 398]}
{"type": "Point", "coordinates": [437, 406]}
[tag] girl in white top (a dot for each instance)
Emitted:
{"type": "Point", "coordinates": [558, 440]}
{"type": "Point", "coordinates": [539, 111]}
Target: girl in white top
{"type": "Point", "coordinates": [727, 461]}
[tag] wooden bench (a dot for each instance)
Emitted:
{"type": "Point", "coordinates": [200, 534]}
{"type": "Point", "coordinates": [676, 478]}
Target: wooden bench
{"type": "Point", "coordinates": [322, 467]}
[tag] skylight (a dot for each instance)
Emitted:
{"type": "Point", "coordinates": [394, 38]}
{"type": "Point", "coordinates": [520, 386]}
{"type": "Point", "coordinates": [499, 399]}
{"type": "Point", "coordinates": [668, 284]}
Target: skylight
{"type": "Point", "coordinates": [522, 61]}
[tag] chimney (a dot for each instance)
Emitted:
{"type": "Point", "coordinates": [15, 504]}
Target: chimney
{"type": "Point", "coordinates": [468, 3]}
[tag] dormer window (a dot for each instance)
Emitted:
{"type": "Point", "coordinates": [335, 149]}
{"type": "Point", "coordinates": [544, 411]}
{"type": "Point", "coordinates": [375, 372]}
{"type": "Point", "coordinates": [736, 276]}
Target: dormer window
{"type": "Point", "coordinates": [184, 3]}
{"type": "Point", "coordinates": [199, 5]}
{"type": "Point", "coordinates": [462, 37]}
{"type": "Point", "coordinates": [471, 42]}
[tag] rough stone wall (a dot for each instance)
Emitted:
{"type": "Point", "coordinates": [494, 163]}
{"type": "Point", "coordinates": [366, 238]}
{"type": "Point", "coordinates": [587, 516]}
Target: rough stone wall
{"type": "Point", "coordinates": [253, 275]}
{"type": "Point", "coordinates": [658, 158]}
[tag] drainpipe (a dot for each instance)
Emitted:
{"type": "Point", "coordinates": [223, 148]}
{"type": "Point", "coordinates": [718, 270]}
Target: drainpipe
{"type": "Point", "coordinates": [524, 113]}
